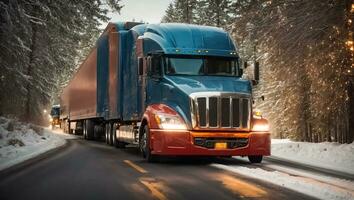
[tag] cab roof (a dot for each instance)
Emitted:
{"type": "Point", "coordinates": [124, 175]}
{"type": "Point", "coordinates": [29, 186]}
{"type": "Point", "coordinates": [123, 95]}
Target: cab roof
{"type": "Point", "coordinates": [180, 38]}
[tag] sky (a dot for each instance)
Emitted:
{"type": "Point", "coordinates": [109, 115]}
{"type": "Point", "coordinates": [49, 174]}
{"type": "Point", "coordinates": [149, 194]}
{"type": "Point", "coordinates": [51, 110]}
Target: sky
{"type": "Point", "coordinates": [150, 11]}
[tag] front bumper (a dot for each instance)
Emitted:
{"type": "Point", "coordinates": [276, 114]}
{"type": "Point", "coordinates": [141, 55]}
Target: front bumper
{"type": "Point", "coordinates": [184, 143]}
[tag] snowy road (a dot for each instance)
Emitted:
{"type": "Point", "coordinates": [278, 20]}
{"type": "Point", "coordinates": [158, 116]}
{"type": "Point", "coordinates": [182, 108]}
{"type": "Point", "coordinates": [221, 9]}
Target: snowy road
{"type": "Point", "coordinates": [92, 170]}
{"type": "Point", "coordinates": [107, 173]}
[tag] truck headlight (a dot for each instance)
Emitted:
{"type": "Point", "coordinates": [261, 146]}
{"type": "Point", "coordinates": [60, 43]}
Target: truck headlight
{"type": "Point", "coordinates": [260, 125]}
{"type": "Point", "coordinates": [167, 121]}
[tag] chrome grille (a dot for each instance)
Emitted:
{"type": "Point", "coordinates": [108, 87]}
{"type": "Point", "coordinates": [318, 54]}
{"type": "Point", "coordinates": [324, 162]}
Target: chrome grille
{"type": "Point", "coordinates": [220, 110]}
{"type": "Point", "coordinates": [202, 111]}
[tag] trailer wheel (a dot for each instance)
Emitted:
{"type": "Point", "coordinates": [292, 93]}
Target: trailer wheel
{"type": "Point", "coordinates": [89, 129]}
{"type": "Point", "coordinates": [255, 159]}
{"type": "Point", "coordinates": [84, 130]}
{"type": "Point", "coordinates": [112, 130]}
{"type": "Point", "coordinates": [144, 144]}
{"type": "Point", "coordinates": [98, 131]}
{"type": "Point", "coordinates": [110, 134]}
{"type": "Point", "coordinates": [107, 133]}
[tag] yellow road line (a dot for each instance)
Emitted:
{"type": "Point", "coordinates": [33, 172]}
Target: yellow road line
{"type": "Point", "coordinates": [136, 167]}
{"type": "Point", "coordinates": [241, 187]}
{"type": "Point", "coordinates": [155, 192]}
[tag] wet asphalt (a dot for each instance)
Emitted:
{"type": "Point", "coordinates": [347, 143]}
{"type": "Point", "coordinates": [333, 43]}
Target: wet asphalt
{"type": "Point", "coordinates": [93, 170]}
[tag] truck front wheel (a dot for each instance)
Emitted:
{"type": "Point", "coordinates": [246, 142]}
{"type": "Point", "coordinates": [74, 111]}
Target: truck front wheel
{"type": "Point", "coordinates": [144, 144]}
{"type": "Point", "coordinates": [255, 159]}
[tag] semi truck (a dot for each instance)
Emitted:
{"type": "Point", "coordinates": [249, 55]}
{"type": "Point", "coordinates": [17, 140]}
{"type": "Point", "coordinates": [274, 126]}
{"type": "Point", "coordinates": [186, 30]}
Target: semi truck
{"type": "Point", "coordinates": [55, 116]}
{"type": "Point", "coordinates": [169, 89]}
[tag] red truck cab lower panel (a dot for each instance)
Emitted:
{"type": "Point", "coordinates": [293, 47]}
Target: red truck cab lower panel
{"type": "Point", "coordinates": [191, 143]}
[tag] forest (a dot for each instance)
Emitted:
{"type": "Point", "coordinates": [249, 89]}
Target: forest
{"type": "Point", "coordinates": [305, 50]}
{"type": "Point", "coordinates": [42, 43]}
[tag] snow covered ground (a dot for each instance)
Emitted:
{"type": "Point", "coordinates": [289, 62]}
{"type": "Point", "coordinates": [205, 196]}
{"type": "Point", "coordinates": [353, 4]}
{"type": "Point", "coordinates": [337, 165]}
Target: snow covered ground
{"type": "Point", "coordinates": [328, 155]}
{"type": "Point", "coordinates": [321, 187]}
{"type": "Point", "coordinates": [333, 156]}
{"type": "Point", "coordinates": [19, 141]}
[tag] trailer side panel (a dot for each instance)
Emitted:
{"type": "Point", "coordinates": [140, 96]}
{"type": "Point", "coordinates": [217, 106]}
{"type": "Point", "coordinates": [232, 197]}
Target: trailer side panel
{"type": "Point", "coordinates": [113, 90]}
{"type": "Point", "coordinates": [82, 90]}
{"type": "Point", "coordinates": [102, 76]}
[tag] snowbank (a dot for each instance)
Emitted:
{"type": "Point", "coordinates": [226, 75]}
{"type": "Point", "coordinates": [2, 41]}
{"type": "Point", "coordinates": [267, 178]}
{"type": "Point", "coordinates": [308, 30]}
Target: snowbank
{"type": "Point", "coordinates": [19, 141]}
{"type": "Point", "coordinates": [326, 155]}
{"type": "Point", "coordinates": [305, 185]}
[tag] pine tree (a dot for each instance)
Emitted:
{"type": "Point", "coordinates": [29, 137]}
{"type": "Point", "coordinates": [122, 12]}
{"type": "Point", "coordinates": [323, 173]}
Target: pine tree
{"type": "Point", "coordinates": [170, 15]}
{"type": "Point", "coordinates": [185, 9]}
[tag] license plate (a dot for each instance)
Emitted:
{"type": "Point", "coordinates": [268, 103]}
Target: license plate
{"type": "Point", "coordinates": [220, 145]}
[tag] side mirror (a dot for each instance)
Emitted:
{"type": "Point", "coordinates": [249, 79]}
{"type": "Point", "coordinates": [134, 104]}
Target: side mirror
{"type": "Point", "coordinates": [240, 72]}
{"type": "Point", "coordinates": [140, 66]}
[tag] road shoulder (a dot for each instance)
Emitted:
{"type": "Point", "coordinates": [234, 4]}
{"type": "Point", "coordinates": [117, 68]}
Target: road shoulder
{"type": "Point", "coordinates": [33, 146]}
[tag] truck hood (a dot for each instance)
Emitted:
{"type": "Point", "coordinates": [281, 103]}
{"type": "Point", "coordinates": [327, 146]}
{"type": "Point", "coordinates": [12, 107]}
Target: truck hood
{"type": "Point", "coordinates": [191, 84]}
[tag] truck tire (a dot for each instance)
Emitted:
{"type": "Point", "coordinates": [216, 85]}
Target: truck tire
{"type": "Point", "coordinates": [255, 159]}
{"type": "Point", "coordinates": [89, 125]}
{"type": "Point", "coordinates": [98, 131]}
{"type": "Point", "coordinates": [113, 133]}
{"type": "Point", "coordinates": [116, 143]}
{"type": "Point", "coordinates": [84, 130]}
{"type": "Point", "coordinates": [110, 134]}
{"type": "Point", "coordinates": [107, 133]}
{"type": "Point", "coordinates": [144, 145]}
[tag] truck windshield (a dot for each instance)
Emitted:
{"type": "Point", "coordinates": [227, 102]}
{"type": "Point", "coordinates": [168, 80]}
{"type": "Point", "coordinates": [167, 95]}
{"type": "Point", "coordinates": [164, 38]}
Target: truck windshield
{"type": "Point", "coordinates": [55, 112]}
{"type": "Point", "coordinates": [209, 66]}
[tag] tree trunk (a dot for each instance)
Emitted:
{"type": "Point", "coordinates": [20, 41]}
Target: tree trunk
{"type": "Point", "coordinates": [27, 113]}
{"type": "Point", "coordinates": [187, 13]}
{"type": "Point", "coordinates": [309, 128]}
{"type": "Point", "coordinates": [329, 136]}
{"type": "Point", "coordinates": [218, 14]}
{"type": "Point", "coordinates": [351, 111]}
{"type": "Point", "coordinates": [340, 133]}
{"type": "Point", "coordinates": [336, 131]}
